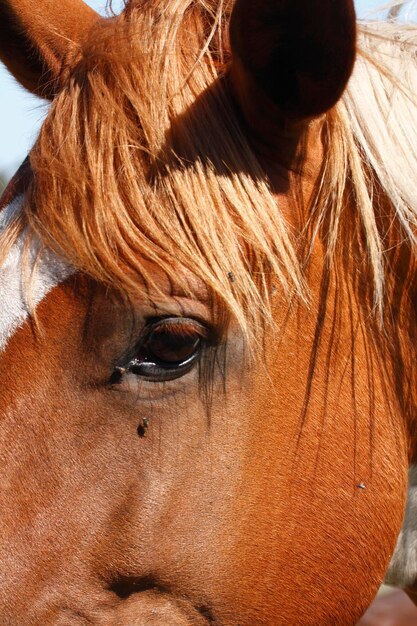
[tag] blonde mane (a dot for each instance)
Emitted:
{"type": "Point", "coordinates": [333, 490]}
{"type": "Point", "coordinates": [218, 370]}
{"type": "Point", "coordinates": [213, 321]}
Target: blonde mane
{"type": "Point", "coordinates": [143, 158]}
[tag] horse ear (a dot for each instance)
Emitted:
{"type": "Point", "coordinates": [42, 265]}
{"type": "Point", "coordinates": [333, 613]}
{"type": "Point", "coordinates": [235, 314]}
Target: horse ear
{"type": "Point", "coordinates": [298, 53]}
{"type": "Point", "coordinates": [36, 38]}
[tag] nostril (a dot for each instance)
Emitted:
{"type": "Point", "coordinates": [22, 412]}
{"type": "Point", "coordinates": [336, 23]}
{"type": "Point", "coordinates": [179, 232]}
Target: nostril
{"type": "Point", "coordinates": [154, 604]}
{"type": "Point", "coordinates": [207, 613]}
{"type": "Point", "coordinates": [125, 586]}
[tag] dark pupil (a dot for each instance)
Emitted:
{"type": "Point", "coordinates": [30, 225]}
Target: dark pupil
{"type": "Point", "coordinates": [168, 347]}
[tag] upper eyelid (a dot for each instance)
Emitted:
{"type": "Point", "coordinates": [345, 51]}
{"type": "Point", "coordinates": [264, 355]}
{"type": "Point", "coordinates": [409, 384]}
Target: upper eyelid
{"type": "Point", "coordinates": [208, 333]}
{"type": "Point", "coordinates": [184, 323]}
{"type": "Point", "coordinates": [202, 328]}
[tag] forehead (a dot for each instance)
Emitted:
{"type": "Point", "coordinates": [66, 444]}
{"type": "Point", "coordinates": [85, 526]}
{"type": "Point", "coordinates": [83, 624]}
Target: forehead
{"type": "Point", "coordinates": [29, 272]}
{"type": "Point", "coordinates": [21, 289]}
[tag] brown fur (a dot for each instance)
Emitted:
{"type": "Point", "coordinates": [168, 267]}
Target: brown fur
{"type": "Point", "coordinates": [190, 510]}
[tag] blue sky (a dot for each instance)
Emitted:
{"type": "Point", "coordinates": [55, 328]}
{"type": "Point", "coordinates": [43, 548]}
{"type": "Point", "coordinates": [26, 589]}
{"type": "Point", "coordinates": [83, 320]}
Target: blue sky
{"type": "Point", "coordinates": [21, 114]}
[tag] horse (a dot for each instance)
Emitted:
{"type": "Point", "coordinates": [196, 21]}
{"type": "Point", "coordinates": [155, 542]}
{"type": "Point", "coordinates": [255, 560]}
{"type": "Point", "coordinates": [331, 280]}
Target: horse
{"type": "Point", "coordinates": [208, 315]}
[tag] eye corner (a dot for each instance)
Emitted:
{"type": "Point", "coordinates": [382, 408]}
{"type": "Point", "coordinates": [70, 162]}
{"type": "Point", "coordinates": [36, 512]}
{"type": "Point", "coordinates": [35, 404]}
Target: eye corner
{"type": "Point", "coordinates": [117, 375]}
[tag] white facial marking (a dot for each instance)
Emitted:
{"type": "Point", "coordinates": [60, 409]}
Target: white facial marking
{"type": "Point", "coordinates": [402, 571]}
{"type": "Point", "coordinates": [50, 271]}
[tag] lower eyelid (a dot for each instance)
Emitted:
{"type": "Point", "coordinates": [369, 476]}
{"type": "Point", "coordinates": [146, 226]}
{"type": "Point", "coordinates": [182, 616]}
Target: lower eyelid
{"type": "Point", "coordinates": [158, 376]}
{"type": "Point", "coordinates": [151, 370]}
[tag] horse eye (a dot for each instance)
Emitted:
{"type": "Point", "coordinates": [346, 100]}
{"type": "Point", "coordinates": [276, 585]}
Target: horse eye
{"type": "Point", "coordinates": [170, 346]}
{"type": "Point", "coordinates": [168, 349]}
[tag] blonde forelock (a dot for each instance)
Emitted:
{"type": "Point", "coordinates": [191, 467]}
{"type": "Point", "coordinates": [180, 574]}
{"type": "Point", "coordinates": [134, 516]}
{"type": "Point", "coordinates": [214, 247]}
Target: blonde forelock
{"type": "Point", "coordinates": [143, 158]}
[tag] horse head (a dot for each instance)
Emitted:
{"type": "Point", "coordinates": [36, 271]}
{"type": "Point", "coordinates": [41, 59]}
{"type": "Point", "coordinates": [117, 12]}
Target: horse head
{"type": "Point", "coordinates": [207, 382]}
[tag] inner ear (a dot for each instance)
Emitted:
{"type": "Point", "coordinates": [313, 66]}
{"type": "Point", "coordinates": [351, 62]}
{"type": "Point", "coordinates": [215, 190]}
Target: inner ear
{"type": "Point", "coordinates": [17, 53]}
{"type": "Point", "coordinates": [298, 53]}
